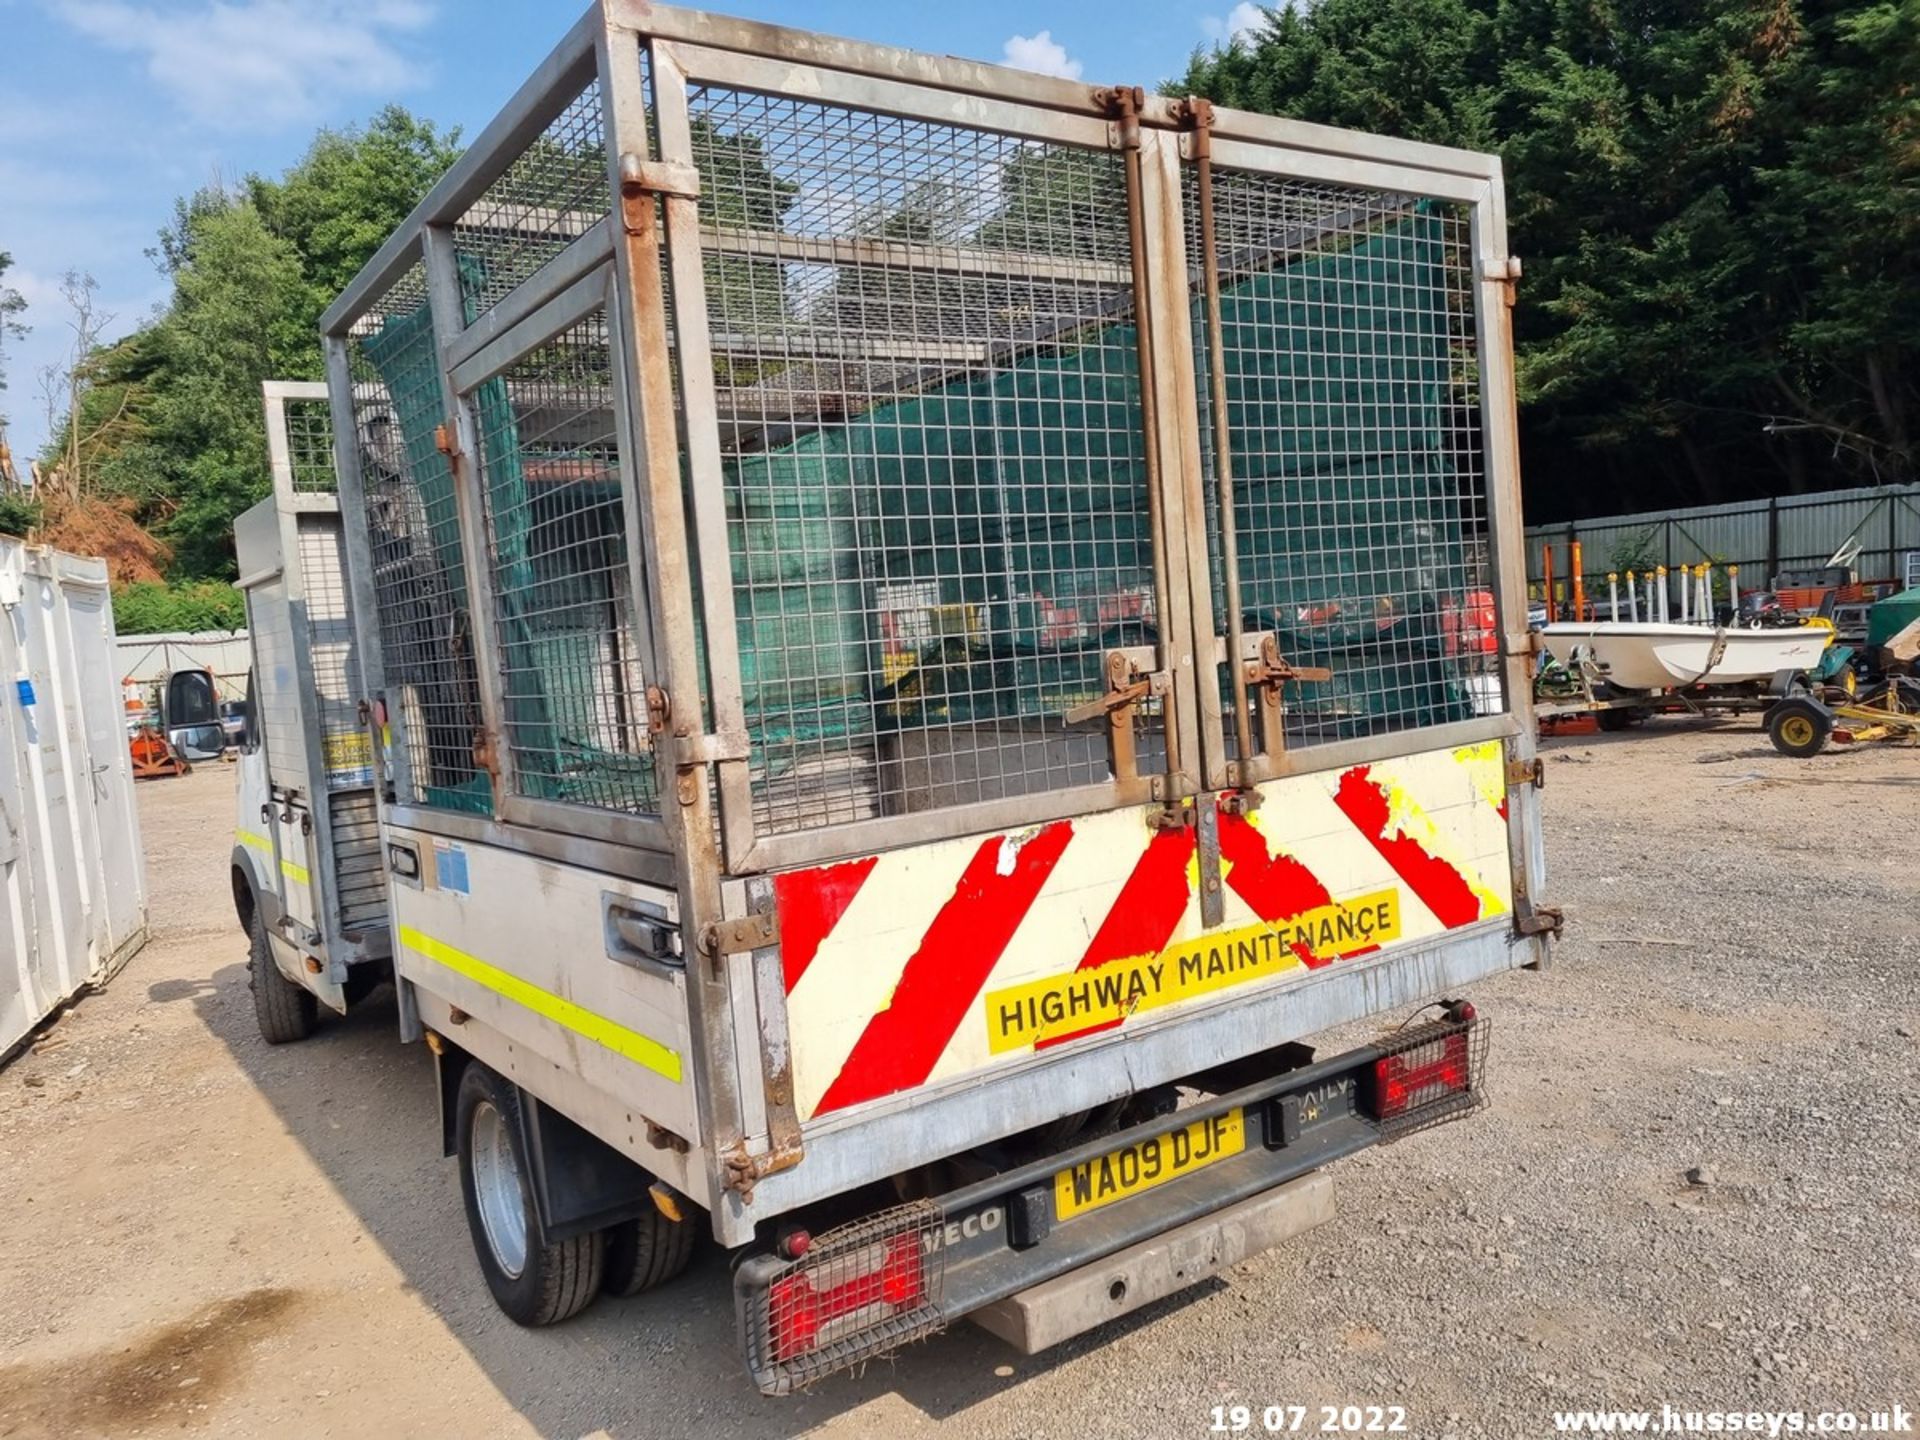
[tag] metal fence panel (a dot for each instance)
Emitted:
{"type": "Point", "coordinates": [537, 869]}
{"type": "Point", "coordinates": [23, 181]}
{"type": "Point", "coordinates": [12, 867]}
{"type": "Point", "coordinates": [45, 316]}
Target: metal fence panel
{"type": "Point", "coordinates": [566, 620]}
{"type": "Point", "coordinates": [930, 424]}
{"type": "Point", "coordinates": [1762, 537]}
{"type": "Point", "coordinates": [554, 192]}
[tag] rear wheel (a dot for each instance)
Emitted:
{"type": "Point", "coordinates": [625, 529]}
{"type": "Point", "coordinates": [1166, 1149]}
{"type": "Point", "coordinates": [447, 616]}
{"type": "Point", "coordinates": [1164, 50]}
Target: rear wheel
{"type": "Point", "coordinates": [647, 1251]}
{"type": "Point", "coordinates": [284, 1011]}
{"type": "Point", "coordinates": [533, 1284]}
{"type": "Point", "coordinates": [1799, 727]}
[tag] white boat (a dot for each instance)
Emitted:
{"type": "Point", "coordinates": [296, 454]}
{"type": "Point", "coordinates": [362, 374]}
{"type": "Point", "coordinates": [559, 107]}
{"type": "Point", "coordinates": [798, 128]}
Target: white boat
{"type": "Point", "coordinates": [1660, 656]}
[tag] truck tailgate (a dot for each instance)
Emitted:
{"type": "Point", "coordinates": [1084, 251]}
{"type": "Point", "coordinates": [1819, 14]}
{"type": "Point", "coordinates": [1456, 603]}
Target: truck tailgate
{"type": "Point", "coordinates": [933, 965]}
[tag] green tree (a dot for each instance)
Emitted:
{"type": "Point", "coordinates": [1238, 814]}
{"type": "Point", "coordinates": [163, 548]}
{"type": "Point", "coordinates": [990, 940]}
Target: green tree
{"type": "Point", "coordinates": [339, 204]}
{"type": "Point", "coordinates": [1717, 209]}
{"type": "Point", "coordinates": [12, 304]}
{"type": "Point", "coordinates": [152, 609]}
{"type": "Point", "coordinates": [234, 321]}
{"type": "Point", "coordinates": [252, 267]}
{"type": "Point", "coordinates": [18, 514]}
{"type": "Point", "coordinates": [1845, 203]}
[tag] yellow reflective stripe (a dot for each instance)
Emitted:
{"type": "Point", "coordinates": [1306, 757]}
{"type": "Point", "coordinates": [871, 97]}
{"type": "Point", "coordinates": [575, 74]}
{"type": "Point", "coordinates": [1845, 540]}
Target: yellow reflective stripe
{"type": "Point", "coordinates": [641, 1049]}
{"type": "Point", "coordinates": [292, 871]}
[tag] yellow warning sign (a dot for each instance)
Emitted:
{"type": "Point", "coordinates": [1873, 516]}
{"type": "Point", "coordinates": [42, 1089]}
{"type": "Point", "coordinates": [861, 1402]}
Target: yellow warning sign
{"type": "Point", "coordinates": [348, 756]}
{"type": "Point", "coordinates": [1058, 1005]}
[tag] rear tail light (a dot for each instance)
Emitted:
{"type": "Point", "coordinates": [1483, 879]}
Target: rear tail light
{"type": "Point", "coordinates": [849, 1295]}
{"type": "Point", "coordinates": [1410, 1081]}
{"type": "Point", "coordinates": [812, 1309]}
{"type": "Point", "coordinates": [1430, 1073]}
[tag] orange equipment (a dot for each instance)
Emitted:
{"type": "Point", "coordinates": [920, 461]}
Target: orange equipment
{"type": "Point", "coordinates": [153, 756]}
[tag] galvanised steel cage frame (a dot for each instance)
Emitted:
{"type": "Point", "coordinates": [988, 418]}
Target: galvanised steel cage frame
{"type": "Point", "coordinates": [641, 264]}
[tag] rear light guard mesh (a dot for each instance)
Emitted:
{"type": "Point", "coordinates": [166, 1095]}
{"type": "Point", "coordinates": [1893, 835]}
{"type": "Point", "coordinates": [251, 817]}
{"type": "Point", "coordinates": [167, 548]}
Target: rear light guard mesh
{"type": "Point", "coordinates": [1429, 1074]}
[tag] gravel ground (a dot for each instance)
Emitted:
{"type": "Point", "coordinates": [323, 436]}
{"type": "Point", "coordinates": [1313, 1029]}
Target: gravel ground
{"type": "Point", "coordinates": [211, 1237]}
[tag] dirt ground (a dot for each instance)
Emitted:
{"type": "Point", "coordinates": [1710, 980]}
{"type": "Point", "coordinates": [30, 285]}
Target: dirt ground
{"type": "Point", "coordinates": [207, 1236]}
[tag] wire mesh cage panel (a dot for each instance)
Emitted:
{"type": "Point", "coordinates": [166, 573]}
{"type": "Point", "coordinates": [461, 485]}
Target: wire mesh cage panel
{"type": "Point", "coordinates": [413, 543]}
{"type": "Point", "coordinates": [336, 666]}
{"type": "Point", "coordinates": [1353, 427]}
{"type": "Point", "coordinates": [566, 625]}
{"type": "Point", "coordinates": [309, 429]}
{"type": "Point", "coordinates": [553, 193]}
{"type": "Point", "coordinates": [929, 417]}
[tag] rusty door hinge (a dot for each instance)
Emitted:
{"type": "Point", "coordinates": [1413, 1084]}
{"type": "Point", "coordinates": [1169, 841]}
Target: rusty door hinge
{"type": "Point", "coordinates": [662, 1138]}
{"type": "Point", "coordinates": [1543, 920]}
{"type": "Point", "coordinates": [1527, 772]}
{"type": "Point", "coordinates": [745, 1170]}
{"type": "Point", "coordinates": [735, 937]}
{"type": "Point", "coordinates": [1267, 675]}
{"type": "Point", "coordinates": [1507, 272]}
{"type": "Point", "coordinates": [1196, 119]}
{"type": "Point", "coordinates": [642, 180]}
{"type": "Point", "coordinates": [658, 709]}
{"type": "Point", "coordinates": [1123, 104]}
{"type": "Point", "coordinates": [1176, 815]}
{"type": "Point", "coordinates": [1127, 687]}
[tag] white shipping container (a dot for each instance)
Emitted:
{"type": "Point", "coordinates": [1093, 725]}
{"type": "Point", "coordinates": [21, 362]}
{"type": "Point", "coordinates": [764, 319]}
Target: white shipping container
{"type": "Point", "coordinates": [73, 897]}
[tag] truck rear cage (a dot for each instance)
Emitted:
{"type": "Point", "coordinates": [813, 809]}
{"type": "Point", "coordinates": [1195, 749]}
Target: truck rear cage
{"type": "Point", "coordinates": [940, 502]}
{"type": "Point", "coordinates": [772, 461]}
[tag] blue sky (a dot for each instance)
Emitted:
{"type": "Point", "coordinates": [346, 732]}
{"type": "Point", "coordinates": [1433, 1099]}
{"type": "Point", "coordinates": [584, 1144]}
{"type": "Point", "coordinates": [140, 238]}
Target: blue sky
{"type": "Point", "coordinates": [111, 108]}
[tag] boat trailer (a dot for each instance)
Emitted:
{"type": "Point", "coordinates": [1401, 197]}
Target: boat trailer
{"type": "Point", "coordinates": [1802, 726]}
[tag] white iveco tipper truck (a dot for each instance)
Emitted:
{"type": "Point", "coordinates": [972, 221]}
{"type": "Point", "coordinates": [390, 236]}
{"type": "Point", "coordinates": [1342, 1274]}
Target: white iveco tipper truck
{"type": "Point", "coordinates": [921, 628]}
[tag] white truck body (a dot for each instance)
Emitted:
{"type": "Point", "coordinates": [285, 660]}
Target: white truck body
{"type": "Point", "coordinates": [908, 610]}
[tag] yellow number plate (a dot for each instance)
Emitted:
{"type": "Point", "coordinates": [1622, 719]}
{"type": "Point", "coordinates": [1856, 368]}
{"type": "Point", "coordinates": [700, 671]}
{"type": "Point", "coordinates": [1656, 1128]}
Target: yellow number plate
{"type": "Point", "coordinates": [1152, 1162]}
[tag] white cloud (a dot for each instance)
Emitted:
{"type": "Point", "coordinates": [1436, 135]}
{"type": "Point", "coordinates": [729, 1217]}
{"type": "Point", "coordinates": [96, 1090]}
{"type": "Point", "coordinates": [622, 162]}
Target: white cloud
{"type": "Point", "coordinates": [260, 63]}
{"type": "Point", "coordinates": [1040, 52]}
{"type": "Point", "coordinates": [1241, 25]}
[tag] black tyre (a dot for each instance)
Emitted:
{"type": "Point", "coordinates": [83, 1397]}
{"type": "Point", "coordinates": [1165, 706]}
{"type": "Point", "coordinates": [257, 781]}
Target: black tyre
{"type": "Point", "coordinates": [285, 1011]}
{"type": "Point", "coordinates": [533, 1284]}
{"type": "Point", "coordinates": [1617, 718]}
{"type": "Point", "coordinates": [647, 1252]}
{"type": "Point", "coordinates": [1799, 726]}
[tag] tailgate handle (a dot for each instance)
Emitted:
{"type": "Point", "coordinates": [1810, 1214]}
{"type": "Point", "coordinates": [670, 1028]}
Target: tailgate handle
{"type": "Point", "coordinates": [640, 933]}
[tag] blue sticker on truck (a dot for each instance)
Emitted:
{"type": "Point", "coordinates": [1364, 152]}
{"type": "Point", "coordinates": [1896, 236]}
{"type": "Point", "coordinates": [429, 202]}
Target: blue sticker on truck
{"type": "Point", "coordinates": [450, 867]}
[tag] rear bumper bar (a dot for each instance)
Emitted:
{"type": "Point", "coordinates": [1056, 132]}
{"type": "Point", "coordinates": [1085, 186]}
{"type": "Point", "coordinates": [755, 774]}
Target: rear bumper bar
{"type": "Point", "coordinates": [1043, 1315]}
{"type": "Point", "coordinates": [1004, 1235]}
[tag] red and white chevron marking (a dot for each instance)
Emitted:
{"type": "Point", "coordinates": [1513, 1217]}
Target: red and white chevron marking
{"type": "Point", "coordinates": [913, 967]}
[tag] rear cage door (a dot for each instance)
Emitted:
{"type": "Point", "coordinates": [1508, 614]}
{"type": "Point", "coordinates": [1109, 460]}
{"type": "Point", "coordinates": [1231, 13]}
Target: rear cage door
{"type": "Point", "coordinates": [1285, 499]}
